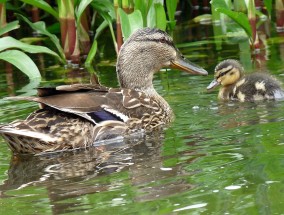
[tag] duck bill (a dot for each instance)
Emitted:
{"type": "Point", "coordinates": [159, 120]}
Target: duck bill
{"type": "Point", "coordinates": [213, 84]}
{"type": "Point", "coordinates": [183, 64]}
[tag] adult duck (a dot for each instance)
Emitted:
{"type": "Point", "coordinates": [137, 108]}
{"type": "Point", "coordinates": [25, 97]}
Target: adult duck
{"type": "Point", "coordinates": [235, 85]}
{"type": "Point", "coordinates": [76, 116]}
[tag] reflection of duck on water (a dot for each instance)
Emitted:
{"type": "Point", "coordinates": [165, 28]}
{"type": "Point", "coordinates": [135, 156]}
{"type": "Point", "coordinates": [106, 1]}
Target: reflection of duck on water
{"type": "Point", "coordinates": [237, 86]}
{"type": "Point", "coordinates": [77, 115]}
{"type": "Point", "coordinates": [134, 165]}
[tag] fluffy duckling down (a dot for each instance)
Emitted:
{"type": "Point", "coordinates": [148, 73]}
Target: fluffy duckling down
{"type": "Point", "coordinates": [235, 85]}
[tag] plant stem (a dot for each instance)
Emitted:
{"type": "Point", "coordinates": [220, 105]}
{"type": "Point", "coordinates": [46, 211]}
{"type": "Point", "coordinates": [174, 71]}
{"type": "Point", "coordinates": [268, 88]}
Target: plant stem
{"type": "Point", "coordinates": [240, 6]}
{"type": "Point", "coordinates": [85, 43]}
{"type": "Point", "coordinates": [68, 28]}
{"type": "Point", "coordinates": [3, 14]}
{"type": "Point", "coordinates": [279, 6]}
{"type": "Point", "coordinates": [252, 21]}
{"type": "Point", "coordinates": [119, 38]}
{"type": "Point", "coordinates": [35, 14]}
{"type": "Point", "coordinates": [63, 27]}
{"type": "Point", "coordinates": [125, 6]}
{"type": "Point", "coordinates": [72, 33]}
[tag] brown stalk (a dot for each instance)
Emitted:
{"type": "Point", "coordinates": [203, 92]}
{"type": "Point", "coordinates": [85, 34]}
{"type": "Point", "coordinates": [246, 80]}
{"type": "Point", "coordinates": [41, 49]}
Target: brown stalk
{"type": "Point", "coordinates": [279, 6]}
{"type": "Point", "coordinates": [119, 38]}
{"type": "Point", "coordinates": [252, 21]}
{"type": "Point", "coordinates": [63, 27]}
{"type": "Point", "coordinates": [64, 36]}
{"type": "Point", "coordinates": [35, 14]}
{"type": "Point", "coordinates": [8, 66]}
{"type": "Point", "coordinates": [3, 21]}
{"type": "Point", "coordinates": [71, 31]}
{"type": "Point", "coordinates": [84, 28]}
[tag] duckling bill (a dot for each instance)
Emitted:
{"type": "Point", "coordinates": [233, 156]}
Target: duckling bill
{"type": "Point", "coordinates": [235, 85]}
{"type": "Point", "coordinates": [77, 116]}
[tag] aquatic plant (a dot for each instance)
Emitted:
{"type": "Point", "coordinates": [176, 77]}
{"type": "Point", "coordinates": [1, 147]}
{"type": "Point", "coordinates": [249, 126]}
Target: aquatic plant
{"type": "Point", "coordinates": [245, 15]}
{"type": "Point", "coordinates": [150, 13]}
{"type": "Point", "coordinates": [12, 50]}
{"type": "Point", "coordinates": [74, 26]}
{"type": "Point", "coordinates": [74, 20]}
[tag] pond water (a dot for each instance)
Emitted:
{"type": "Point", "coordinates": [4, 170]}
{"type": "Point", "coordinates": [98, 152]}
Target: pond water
{"type": "Point", "coordinates": [216, 158]}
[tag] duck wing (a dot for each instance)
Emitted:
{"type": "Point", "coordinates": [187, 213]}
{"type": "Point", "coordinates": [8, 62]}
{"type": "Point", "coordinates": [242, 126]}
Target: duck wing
{"type": "Point", "coordinates": [96, 103]}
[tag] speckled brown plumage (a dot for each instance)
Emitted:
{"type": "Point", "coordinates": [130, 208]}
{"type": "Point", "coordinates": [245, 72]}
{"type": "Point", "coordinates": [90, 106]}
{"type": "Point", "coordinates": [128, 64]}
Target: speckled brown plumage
{"type": "Point", "coordinates": [235, 85]}
{"type": "Point", "coordinates": [77, 116]}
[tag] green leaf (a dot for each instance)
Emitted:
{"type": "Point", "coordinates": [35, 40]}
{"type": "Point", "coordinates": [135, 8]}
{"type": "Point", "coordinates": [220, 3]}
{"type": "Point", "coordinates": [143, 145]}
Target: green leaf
{"type": "Point", "coordinates": [268, 5]}
{"type": "Point", "coordinates": [41, 28]}
{"type": "Point", "coordinates": [151, 17]}
{"type": "Point", "coordinates": [10, 42]}
{"type": "Point", "coordinates": [92, 53]}
{"type": "Point", "coordinates": [100, 29]}
{"type": "Point", "coordinates": [81, 8]}
{"type": "Point", "coordinates": [219, 4]}
{"type": "Point", "coordinates": [106, 10]}
{"type": "Point", "coordinates": [135, 20]}
{"type": "Point", "coordinates": [44, 6]}
{"type": "Point", "coordinates": [31, 40]}
{"type": "Point", "coordinates": [171, 9]}
{"type": "Point", "coordinates": [161, 20]}
{"type": "Point", "coordinates": [125, 24]}
{"type": "Point", "coordinates": [108, 19]}
{"type": "Point", "coordinates": [22, 61]}
{"type": "Point", "coordinates": [203, 18]}
{"type": "Point", "coordinates": [144, 7]}
{"type": "Point", "coordinates": [31, 88]}
{"type": "Point", "coordinates": [103, 6]}
{"type": "Point", "coordinates": [156, 17]}
{"type": "Point", "coordinates": [130, 22]}
{"type": "Point", "coordinates": [9, 27]}
{"type": "Point", "coordinates": [239, 17]}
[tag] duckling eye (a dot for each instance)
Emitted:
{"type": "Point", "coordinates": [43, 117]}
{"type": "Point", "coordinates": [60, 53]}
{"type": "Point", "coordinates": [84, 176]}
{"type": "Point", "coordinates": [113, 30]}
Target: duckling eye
{"type": "Point", "coordinates": [221, 74]}
{"type": "Point", "coordinates": [231, 73]}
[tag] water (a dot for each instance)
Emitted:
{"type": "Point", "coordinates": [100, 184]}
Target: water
{"type": "Point", "coordinates": [216, 158]}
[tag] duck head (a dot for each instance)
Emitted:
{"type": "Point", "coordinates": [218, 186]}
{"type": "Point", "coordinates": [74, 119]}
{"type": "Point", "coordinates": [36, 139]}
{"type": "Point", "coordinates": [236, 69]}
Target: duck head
{"type": "Point", "coordinates": [226, 73]}
{"type": "Point", "coordinates": [145, 52]}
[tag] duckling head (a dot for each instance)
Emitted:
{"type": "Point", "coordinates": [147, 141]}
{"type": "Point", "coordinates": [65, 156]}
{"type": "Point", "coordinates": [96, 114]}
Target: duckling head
{"type": "Point", "coordinates": [226, 73]}
{"type": "Point", "coordinates": [145, 52]}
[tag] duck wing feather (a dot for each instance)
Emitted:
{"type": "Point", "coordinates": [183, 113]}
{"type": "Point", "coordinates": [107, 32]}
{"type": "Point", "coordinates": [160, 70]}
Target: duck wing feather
{"type": "Point", "coordinates": [96, 103]}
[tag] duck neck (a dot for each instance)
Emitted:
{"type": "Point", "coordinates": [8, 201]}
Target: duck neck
{"type": "Point", "coordinates": [140, 82]}
{"type": "Point", "coordinates": [152, 93]}
{"type": "Point", "coordinates": [135, 69]}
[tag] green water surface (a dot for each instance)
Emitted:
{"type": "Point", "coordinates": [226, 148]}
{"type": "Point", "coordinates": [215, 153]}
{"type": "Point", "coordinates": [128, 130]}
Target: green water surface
{"type": "Point", "coordinates": [216, 158]}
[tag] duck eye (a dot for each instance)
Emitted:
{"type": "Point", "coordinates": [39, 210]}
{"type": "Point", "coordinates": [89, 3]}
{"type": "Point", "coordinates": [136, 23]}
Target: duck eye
{"type": "Point", "coordinates": [163, 40]}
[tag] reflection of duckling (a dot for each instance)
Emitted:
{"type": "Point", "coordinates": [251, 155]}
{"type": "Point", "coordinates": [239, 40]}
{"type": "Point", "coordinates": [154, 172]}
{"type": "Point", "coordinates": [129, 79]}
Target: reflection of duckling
{"type": "Point", "coordinates": [237, 86]}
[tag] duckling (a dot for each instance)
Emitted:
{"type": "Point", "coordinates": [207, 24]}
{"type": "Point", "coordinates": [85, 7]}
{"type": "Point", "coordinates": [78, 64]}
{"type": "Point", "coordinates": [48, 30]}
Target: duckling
{"type": "Point", "coordinates": [77, 116]}
{"type": "Point", "coordinates": [237, 86]}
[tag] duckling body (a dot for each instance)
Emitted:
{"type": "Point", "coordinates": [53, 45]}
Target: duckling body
{"type": "Point", "coordinates": [237, 86]}
{"type": "Point", "coordinates": [77, 116]}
